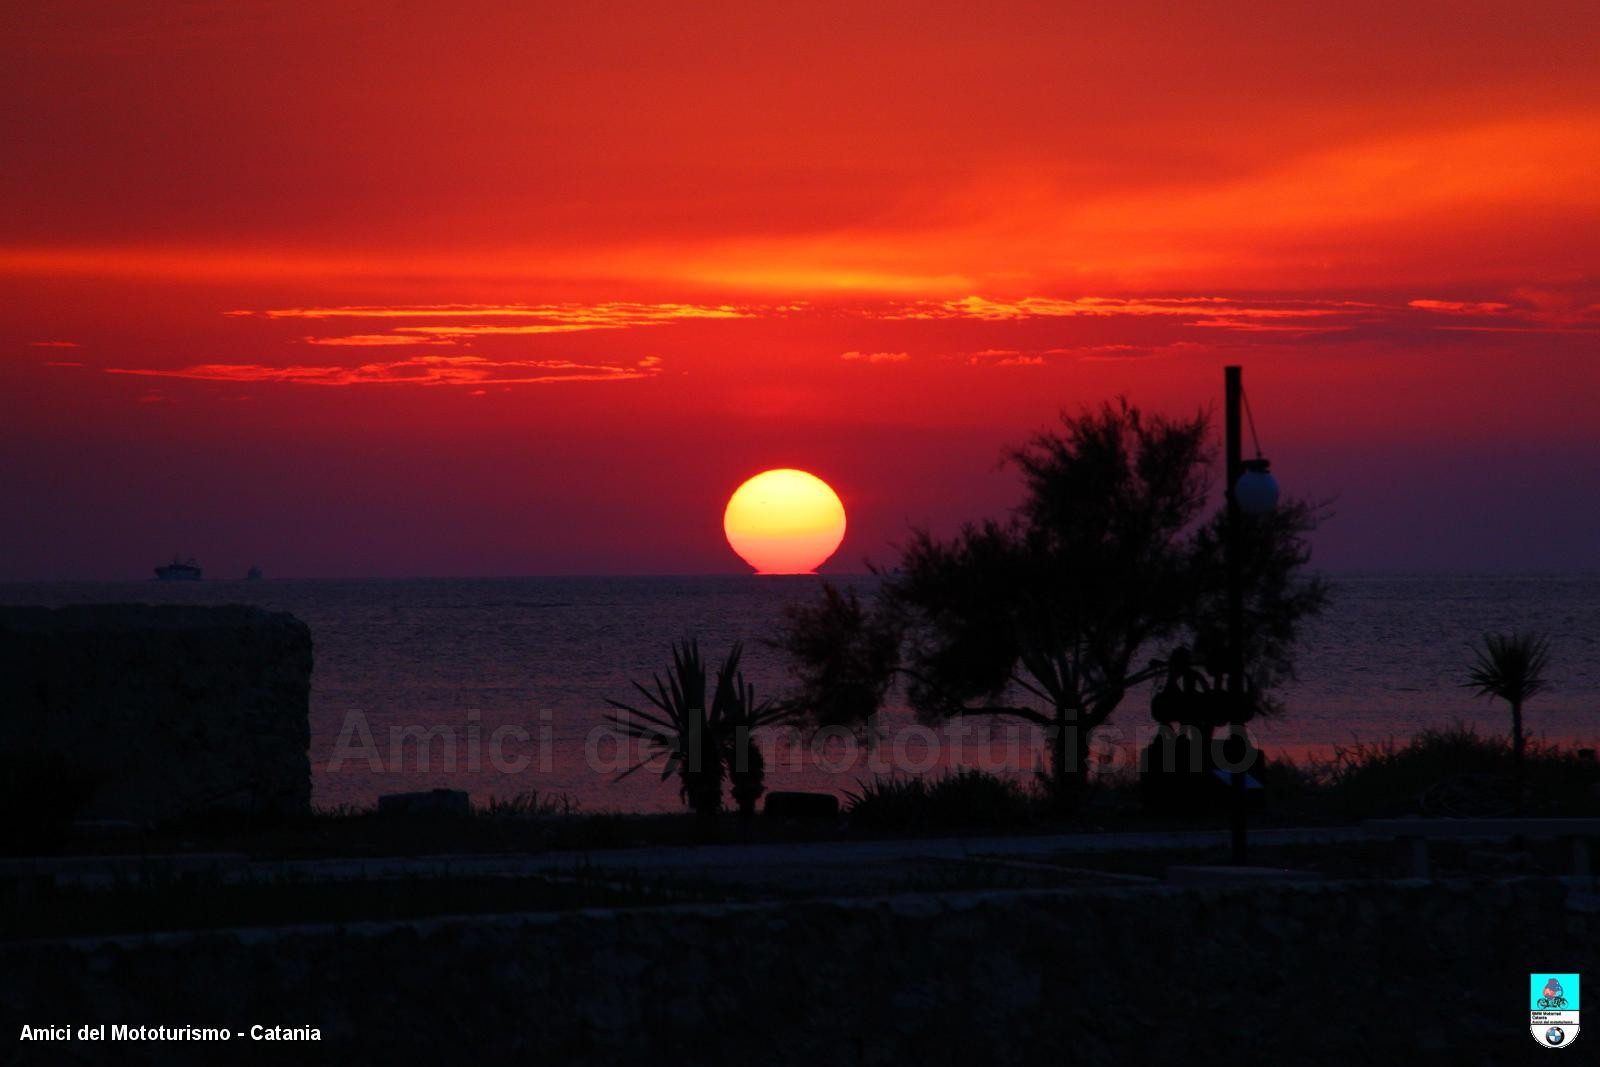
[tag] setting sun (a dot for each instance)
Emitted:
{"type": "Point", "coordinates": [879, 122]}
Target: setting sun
{"type": "Point", "coordinates": [784, 522]}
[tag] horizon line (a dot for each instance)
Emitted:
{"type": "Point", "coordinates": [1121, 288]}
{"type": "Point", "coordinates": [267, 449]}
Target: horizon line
{"type": "Point", "coordinates": [1342, 572]}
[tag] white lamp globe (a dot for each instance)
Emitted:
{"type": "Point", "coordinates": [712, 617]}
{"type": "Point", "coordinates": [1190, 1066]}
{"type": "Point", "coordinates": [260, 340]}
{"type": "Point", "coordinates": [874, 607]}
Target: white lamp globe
{"type": "Point", "coordinates": [1256, 490]}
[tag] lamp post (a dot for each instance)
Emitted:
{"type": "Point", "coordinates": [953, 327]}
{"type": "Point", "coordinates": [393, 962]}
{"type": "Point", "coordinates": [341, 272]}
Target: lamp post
{"type": "Point", "coordinates": [1251, 489]}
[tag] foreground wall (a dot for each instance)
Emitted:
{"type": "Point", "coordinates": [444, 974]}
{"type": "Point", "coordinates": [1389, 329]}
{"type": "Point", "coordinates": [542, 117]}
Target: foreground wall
{"type": "Point", "coordinates": [1331, 974]}
{"type": "Point", "coordinates": [156, 712]}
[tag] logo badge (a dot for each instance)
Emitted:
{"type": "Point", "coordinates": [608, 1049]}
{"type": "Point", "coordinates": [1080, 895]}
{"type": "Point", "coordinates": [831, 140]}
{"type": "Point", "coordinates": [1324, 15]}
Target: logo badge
{"type": "Point", "coordinates": [1553, 1008]}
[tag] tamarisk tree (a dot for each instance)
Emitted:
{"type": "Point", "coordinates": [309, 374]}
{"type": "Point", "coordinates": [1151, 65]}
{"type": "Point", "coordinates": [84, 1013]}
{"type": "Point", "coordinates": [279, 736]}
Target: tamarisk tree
{"type": "Point", "coordinates": [1049, 615]}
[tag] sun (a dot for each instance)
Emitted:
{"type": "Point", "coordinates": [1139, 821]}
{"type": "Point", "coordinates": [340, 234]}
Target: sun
{"type": "Point", "coordinates": [784, 522]}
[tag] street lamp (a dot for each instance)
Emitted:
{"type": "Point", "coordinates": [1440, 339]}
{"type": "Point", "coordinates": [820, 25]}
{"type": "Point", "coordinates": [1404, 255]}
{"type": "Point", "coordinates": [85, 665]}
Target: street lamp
{"type": "Point", "coordinates": [1251, 490]}
{"type": "Point", "coordinates": [1256, 488]}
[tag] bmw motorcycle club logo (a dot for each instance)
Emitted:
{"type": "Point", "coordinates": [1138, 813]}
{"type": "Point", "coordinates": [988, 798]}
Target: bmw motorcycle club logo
{"type": "Point", "coordinates": [1553, 1008]}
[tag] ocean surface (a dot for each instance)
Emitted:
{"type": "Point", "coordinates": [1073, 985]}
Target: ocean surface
{"type": "Point", "coordinates": [499, 686]}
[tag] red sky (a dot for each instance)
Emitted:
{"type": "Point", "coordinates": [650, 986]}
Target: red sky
{"type": "Point", "coordinates": [415, 288]}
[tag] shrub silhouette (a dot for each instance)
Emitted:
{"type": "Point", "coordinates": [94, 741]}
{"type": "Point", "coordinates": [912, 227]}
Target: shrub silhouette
{"type": "Point", "coordinates": [965, 797]}
{"type": "Point", "coordinates": [705, 743]}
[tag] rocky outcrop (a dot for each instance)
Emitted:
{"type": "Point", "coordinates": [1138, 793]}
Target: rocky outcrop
{"type": "Point", "coordinates": [160, 711]}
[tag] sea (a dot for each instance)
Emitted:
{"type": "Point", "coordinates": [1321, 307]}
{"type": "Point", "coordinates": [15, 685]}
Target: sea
{"type": "Point", "coordinates": [500, 686]}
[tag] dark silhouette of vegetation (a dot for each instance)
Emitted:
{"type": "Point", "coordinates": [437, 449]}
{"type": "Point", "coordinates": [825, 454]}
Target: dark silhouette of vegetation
{"type": "Point", "coordinates": [843, 655]}
{"type": "Point", "coordinates": [1453, 772]}
{"type": "Point", "coordinates": [736, 720]}
{"type": "Point", "coordinates": [41, 794]}
{"type": "Point", "coordinates": [527, 806]}
{"type": "Point", "coordinates": [707, 744]}
{"type": "Point", "coordinates": [1511, 667]}
{"type": "Point", "coordinates": [1051, 614]}
{"type": "Point", "coordinates": [966, 797]}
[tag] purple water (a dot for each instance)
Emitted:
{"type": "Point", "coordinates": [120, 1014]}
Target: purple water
{"type": "Point", "coordinates": [452, 661]}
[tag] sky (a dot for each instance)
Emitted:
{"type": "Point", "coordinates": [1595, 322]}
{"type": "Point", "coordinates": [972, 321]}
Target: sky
{"type": "Point", "coordinates": [406, 288]}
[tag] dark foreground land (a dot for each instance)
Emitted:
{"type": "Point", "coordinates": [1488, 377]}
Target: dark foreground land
{"type": "Point", "coordinates": [958, 921]}
{"type": "Point", "coordinates": [1037, 968]}
{"type": "Point", "coordinates": [1093, 947]}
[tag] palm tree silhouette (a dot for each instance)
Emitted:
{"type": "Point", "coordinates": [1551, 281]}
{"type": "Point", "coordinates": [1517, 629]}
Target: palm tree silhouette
{"type": "Point", "coordinates": [738, 715]}
{"type": "Point", "coordinates": [705, 743]}
{"type": "Point", "coordinates": [1511, 667]}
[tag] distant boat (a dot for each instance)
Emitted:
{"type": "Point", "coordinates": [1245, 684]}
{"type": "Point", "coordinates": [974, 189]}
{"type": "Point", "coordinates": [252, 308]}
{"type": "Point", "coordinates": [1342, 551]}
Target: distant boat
{"type": "Point", "coordinates": [179, 570]}
{"type": "Point", "coordinates": [253, 574]}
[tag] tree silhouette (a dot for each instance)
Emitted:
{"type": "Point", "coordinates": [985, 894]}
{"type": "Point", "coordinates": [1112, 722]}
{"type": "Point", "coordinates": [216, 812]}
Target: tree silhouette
{"type": "Point", "coordinates": [1511, 667]}
{"type": "Point", "coordinates": [736, 715]}
{"type": "Point", "coordinates": [706, 744]}
{"type": "Point", "coordinates": [1048, 616]}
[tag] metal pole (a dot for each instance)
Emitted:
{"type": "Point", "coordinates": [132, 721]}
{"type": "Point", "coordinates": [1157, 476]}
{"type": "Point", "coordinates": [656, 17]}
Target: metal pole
{"type": "Point", "coordinates": [1232, 388]}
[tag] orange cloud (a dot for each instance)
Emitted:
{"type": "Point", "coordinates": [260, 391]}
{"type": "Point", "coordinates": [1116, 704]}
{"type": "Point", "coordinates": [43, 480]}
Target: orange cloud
{"type": "Point", "coordinates": [613, 313]}
{"type": "Point", "coordinates": [508, 331]}
{"type": "Point", "coordinates": [1020, 361]}
{"type": "Point", "coordinates": [1472, 307]}
{"type": "Point", "coordinates": [1033, 307]}
{"type": "Point", "coordinates": [556, 319]}
{"type": "Point", "coordinates": [875, 357]}
{"type": "Point", "coordinates": [1263, 327]}
{"type": "Point", "coordinates": [418, 370]}
{"type": "Point", "coordinates": [1557, 309]}
{"type": "Point", "coordinates": [377, 340]}
{"type": "Point", "coordinates": [1436, 200]}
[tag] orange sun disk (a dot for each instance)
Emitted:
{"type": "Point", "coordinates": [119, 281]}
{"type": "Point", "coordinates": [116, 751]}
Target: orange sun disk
{"type": "Point", "coordinates": [784, 522]}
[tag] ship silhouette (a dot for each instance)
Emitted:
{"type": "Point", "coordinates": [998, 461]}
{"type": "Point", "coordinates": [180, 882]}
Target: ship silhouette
{"type": "Point", "coordinates": [179, 570]}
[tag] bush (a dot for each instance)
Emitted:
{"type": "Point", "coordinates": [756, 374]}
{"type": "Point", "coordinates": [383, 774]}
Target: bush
{"type": "Point", "coordinates": [887, 803]}
{"type": "Point", "coordinates": [530, 805]}
{"type": "Point", "coordinates": [978, 797]}
{"type": "Point", "coordinates": [961, 798]}
{"type": "Point", "coordinates": [1455, 771]}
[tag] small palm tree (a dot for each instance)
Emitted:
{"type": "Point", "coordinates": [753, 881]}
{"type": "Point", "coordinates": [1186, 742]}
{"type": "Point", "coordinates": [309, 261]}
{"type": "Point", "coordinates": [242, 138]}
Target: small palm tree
{"type": "Point", "coordinates": [706, 744]}
{"type": "Point", "coordinates": [1511, 667]}
{"type": "Point", "coordinates": [738, 715]}
{"type": "Point", "coordinates": [678, 728]}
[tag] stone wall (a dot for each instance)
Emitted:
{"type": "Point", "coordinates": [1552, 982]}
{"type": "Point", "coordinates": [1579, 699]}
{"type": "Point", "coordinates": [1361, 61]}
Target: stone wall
{"type": "Point", "coordinates": [160, 711]}
{"type": "Point", "coordinates": [1416, 973]}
